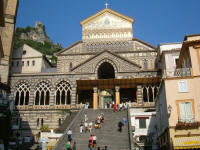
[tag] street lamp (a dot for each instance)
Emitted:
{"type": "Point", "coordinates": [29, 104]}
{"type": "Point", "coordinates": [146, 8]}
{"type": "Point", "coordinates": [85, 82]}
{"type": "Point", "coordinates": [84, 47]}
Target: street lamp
{"type": "Point", "coordinates": [169, 108]}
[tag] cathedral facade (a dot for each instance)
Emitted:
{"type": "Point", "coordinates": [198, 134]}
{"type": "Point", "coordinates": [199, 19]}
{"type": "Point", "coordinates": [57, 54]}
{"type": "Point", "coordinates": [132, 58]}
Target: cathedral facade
{"type": "Point", "coordinates": [108, 65]}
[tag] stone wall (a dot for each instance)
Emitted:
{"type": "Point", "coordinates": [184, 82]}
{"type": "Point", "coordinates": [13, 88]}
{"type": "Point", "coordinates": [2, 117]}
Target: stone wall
{"type": "Point", "coordinates": [6, 34]}
{"type": "Point", "coordinates": [31, 120]}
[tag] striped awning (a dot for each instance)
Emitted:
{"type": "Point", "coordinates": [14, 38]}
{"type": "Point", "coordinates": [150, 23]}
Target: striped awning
{"type": "Point", "coordinates": [187, 142]}
{"type": "Point", "coordinates": [51, 145]}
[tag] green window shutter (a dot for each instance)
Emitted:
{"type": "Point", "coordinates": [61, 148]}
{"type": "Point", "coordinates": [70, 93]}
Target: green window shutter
{"type": "Point", "coordinates": [142, 123]}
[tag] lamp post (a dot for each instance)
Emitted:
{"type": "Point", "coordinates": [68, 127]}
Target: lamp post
{"type": "Point", "coordinates": [169, 108]}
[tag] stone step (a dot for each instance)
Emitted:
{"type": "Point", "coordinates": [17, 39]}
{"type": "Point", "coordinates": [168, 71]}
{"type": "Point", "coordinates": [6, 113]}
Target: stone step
{"type": "Point", "coordinates": [108, 134]}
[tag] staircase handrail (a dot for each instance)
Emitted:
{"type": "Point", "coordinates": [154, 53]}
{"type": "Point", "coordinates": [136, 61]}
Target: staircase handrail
{"type": "Point", "coordinates": [131, 144]}
{"type": "Point", "coordinates": [69, 126]}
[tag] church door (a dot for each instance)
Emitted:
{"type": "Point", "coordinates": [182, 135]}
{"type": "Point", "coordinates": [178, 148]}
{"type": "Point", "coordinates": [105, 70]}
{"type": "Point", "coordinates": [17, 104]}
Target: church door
{"type": "Point", "coordinates": [107, 99]}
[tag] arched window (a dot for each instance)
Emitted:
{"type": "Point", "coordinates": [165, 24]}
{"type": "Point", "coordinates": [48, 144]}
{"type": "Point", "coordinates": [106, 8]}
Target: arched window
{"type": "Point", "coordinates": [22, 94]}
{"type": "Point", "coordinates": [59, 122]}
{"type": "Point", "coordinates": [63, 93]}
{"type": "Point", "coordinates": [145, 64]}
{"type": "Point", "coordinates": [106, 71]}
{"type": "Point", "coordinates": [151, 94]}
{"type": "Point", "coordinates": [42, 94]}
{"type": "Point", "coordinates": [42, 122]}
{"type": "Point", "coordinates": [38, 121]}
{"type": "Point", "coordinates": [145, 96]}
{"type": "Point", "coordinates": [70, 66]}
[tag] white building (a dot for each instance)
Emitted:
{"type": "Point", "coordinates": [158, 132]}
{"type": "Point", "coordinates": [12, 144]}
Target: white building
{"type": "Point", "coordinates": [144, 127]}
{"type": "Point", "coordinates": [168, 56]}
{"type": "Point", "coordinates": [28, 60]}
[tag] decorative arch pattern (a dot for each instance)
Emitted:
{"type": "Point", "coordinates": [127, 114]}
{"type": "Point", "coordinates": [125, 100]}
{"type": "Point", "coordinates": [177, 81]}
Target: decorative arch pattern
{"type": "Point", "coordinates": [63, 93]}
{"type": "Point", "coordinates": [149, 93]}
{"type": "Point", "coordinates": [103, 61]}
{"type": "Point", "coordinates": [42, 93]}
{"type": "Point", "coordinates": [22, 94]}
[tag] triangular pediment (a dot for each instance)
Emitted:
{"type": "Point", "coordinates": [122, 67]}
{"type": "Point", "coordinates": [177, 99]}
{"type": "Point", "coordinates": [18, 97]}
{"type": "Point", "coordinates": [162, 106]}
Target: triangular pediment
{"type": "Point", "coordinates": [107, 25]}
{"type": "Point", "coordinates": [107, 11]}
{"type": "Point", "coordinates": [121, 64]}
{"type": "Point", "coordinates": [72, 49]}
{"type": "Point", "coordinates": [139, 45]}
{"type": "Point", "coordinates": [26, 51]}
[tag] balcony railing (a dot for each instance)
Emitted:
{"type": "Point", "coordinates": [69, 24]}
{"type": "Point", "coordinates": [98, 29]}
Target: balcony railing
{"type": "Point", "coordinates": [36, 107]}
{"type": "Point", "coordinates": [181, 72]}
{"type": "Point", "coordinates": [187, 119]}
{"type": "Point", "coordinates": [185, 123]}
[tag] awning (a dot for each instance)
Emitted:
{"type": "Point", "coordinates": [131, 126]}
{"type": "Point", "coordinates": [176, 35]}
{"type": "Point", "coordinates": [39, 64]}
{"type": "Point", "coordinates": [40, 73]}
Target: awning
{"type": "Point", "coordinates": [111, 83]}
{"type": "Point", "coordinates": [187, 142]}
{"type": "Point", "coordinates": [51, 145]}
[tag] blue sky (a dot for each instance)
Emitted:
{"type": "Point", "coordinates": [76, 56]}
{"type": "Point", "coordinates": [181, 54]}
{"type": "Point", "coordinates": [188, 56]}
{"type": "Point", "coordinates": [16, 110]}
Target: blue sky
{"type": "Point", "coordinates": [156, 21]}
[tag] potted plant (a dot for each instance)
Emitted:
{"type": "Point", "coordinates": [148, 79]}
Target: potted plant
{"type": "Point", "coordinates": [45, 128]}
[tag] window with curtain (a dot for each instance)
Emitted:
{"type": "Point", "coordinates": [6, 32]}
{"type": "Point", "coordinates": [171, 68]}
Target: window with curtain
{"type": "Point", "coordinates": [186, 112]}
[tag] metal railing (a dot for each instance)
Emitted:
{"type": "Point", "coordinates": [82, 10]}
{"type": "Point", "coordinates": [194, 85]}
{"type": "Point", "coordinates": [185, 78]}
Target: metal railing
{"type": "Point", "coordinates": [180, 72]}
{"type": "Point", "coordinates": [187, 119]}
{"type": "Point", "coordinates": [70, 126]}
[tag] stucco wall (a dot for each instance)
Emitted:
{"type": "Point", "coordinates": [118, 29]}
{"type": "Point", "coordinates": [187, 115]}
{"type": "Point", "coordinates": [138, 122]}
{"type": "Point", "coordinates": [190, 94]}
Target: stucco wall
{"type": "Point", "coordinates": [195, 60]}
{"type": "Point", "coordinates": [173, 94]}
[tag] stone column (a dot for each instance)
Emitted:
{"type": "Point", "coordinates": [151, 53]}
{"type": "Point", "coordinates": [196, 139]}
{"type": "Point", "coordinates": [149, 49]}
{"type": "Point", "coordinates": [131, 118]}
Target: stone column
{"type": "Point", "coordinates": [139, 95]}
{"type": "Point", "coordinates": [95, 98]}
{"type": "Point", "coordinates": [73, 97]}
{"type": "Point", "coordinates": [147, 93]}
{"type": "Point", "coordinates": [52, 98]}
{"type": "Point", "coordinates": [31, 96]}
{"type": "Point", "coordinates": [117, 95]}
{"type": "Point", "coordinates": [153, 88]}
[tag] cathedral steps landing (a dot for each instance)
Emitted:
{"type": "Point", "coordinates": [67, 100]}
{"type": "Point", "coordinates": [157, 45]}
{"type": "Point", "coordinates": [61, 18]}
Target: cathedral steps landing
{"type": "Point", "coordinates": [108, 134]}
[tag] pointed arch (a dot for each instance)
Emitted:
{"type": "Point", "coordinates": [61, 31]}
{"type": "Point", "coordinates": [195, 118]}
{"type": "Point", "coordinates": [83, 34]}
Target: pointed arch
{"type": "Point", "coordinates": [21, 94]}
{"type": "Point", "coordinates": [42, 93]}
{"type": "Point", "coordinates": [63, 93]}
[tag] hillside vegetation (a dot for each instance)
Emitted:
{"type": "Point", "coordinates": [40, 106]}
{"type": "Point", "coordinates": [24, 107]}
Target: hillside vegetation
{"type": "Point", "coordinates": [45, 46]}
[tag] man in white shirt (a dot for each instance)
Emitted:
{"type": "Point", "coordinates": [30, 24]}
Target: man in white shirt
{"type": "Point", "coordinates": [69, 135]}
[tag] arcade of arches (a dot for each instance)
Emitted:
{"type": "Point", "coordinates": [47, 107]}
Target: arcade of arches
{"type": "Point", "coordinates": [97, 92]}
{"type": "Point", "coordinates": [107, 89]}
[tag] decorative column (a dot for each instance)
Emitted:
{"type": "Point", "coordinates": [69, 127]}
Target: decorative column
{"type": "Point", "coordinates": [117, 95]}
{"type": "Point", "coordinates": [73, 97]}
{"type": "Point", "coordinates": [95, 98]}
{"type": "Point", "coordinates": [52, 98]}
{"type": "Point", "coordinates": [139, 95]}
{"type": "Point", "coordinates": [153, 88]}
{"type": "Point", "coordinates": [147, 93]}
{"type": "Point", "coordinates": [31, 96]}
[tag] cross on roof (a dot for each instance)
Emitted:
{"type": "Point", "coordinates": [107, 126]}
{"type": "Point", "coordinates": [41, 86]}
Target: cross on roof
{"type": "Point", "coordinates": [106, 4]}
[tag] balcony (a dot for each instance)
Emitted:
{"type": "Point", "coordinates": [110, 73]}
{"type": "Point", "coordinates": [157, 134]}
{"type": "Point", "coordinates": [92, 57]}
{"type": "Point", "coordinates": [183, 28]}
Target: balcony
{"type": "Point", "coordinates": [186, 123]}
{"type": "Point", "coordinates": [180, 72]}
{"type": "Point", "coordinates": [187, 119]}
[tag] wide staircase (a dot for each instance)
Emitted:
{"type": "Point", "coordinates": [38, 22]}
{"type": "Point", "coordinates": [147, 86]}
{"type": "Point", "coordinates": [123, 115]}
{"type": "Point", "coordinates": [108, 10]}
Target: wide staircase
{"type": "Point", "coordinates": [107, 135]}
{"type": "Point", "coordinates": [66, 122]}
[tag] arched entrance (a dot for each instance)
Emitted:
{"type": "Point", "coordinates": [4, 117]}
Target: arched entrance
{"type": "Point", "coordinates": [106, 98]}
{"type": "Point", "coordinates": [106, 71]}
